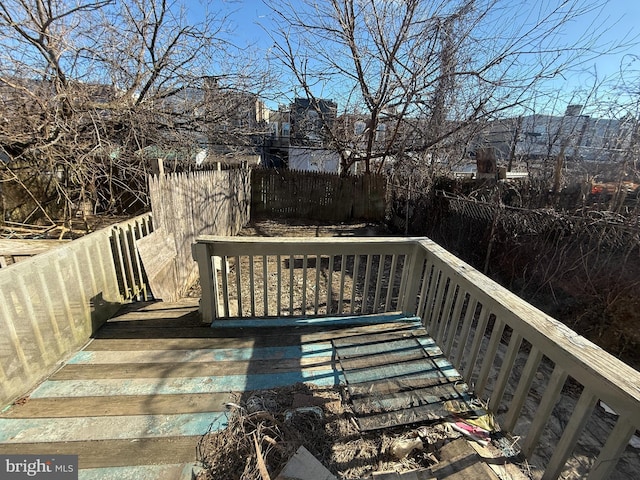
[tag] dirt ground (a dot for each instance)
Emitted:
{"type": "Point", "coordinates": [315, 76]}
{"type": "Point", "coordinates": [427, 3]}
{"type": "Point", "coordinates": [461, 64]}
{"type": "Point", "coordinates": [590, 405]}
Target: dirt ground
{"type": "Point", "coordinates": [308, 228]}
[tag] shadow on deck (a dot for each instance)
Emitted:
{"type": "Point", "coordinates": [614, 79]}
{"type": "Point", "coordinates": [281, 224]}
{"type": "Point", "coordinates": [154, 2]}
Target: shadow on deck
{"type": "Point", "coordinates": [136, 400]}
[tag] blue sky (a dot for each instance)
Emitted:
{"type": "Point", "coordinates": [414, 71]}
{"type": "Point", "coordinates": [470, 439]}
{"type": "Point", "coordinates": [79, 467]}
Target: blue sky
{"type": "Point", "coordinates": [250, 18]}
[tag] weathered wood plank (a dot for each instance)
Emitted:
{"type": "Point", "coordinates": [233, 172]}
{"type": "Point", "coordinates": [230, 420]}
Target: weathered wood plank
{"type": "Point", "coordinates": [461, 462]}
{"type": "Point", "coordinates": [19, 247]}
{"type": "Point", "coordinates": [385, 387]}
{"type": "Point", "coordinates": [414, 354]}
{"type": "Point", "coordinates": [421, 414]}
{"type": "Point", "coordinates": [408, 399]}
{"type": "Point", "coordinates": [121, 330]}
{"type": "Point", "coordinates": [158, 253]}
{"type": "Point", "coordinates": [189, 369]}
{"type": "Point", "coordinates": [144, 451]}
{"type": "Point", "coordinates": [118, 405]}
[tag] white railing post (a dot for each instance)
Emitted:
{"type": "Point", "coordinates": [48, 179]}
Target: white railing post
{"type": "Point", "coordinates": [415, 278]}
{"type": "Point", "coordinates": [202, 256]}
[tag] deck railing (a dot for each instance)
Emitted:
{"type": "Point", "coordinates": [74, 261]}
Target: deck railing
{"type": "Point", "coordinates": [485, 330]}
{"type": "Point", "coordinates": [52, 303]}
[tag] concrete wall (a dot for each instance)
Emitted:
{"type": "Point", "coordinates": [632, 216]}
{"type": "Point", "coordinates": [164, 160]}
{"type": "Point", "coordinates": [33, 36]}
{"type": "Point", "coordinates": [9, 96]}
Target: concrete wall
{"type": "Point", "coordinates": [51, 304]}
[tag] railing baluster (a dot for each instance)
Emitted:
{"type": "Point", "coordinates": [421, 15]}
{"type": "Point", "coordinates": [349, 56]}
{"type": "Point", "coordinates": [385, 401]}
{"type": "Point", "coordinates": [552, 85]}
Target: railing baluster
{"type": "Point", "coordinates": [551, 394]}
{"type": "Point", "coordinates": [304, 285]}
{"type": "Point", "coordinates": [391, 281]}
{"type": "Point", "coordinates": [616, 444]}
{"type": "Point", "coordinates": [450, 332]}
{"type": "Point", "coordinates": [367, 282]}
{"type": "Point", "coordinates": [343, 274]}
{"type": "Point", "coordinates": [570, 436]}
{"type": "Point", "coordinates": [14, 338]}
{"type": "Point", "coordinates": [279, 286]}
{"type": "Point", "coordinates": [505, 371]}
{"type": "Point", "coordinates": [445, 314]}
{"type": "Point", "coordinates": [329, 284]}
{"type": "Point", "coordinates": [354, 284]}
{"type": "Point", "coordinates": [524, 385]}
{"type": "Point", "coordinates": [379, 277]}
{"type": "Point", "coordinates": [265, 284]}
{"type": "Point", "coordinates": [406, 270]}
{"type": "Point", "coordinates": [117, 245]}
{"type": "Point", "coordinates": [239, 286]}
{"type": "Point", "coordinates": [477, 342]}
{"type": "Point", "coordinates": [292, 264]}
{"type": "Point", "coordinates": [424, 289]}
{"type": "Point", "coordinates": [436, 280]}
{"type": "Point", "coordinates": [128, 262]}
{"type": "Point", "coordinates": [489, 358]}
{"type": "Point", "coordinates": [316, 293]}
{"type": "Point", "coordinates": [225, 285]}
{"type": "Point", "coordinates": [138, 266]}
{"type": "Point", "coordinates": [442, 302]}
{"type": "Point", "coordinates": [252, 288]}
{"type": "Point", "coordinates": [470, 314]}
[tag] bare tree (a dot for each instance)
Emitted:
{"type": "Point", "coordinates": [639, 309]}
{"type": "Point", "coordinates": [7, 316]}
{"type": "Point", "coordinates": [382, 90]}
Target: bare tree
{"type": "Point", "coordinates": [424, 70]}
{"type": "Point", "coordinates": [90, 90]}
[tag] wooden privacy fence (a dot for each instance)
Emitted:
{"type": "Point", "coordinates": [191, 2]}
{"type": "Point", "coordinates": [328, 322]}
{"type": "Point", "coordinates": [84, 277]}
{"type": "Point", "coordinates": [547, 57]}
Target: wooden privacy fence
{"type": "Point", "coordinates": [317, 196]}
{"type": "Point", "coordinates": [186, 205]}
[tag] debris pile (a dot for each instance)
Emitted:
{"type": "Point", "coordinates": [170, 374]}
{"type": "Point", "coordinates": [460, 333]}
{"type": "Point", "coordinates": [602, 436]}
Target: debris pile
{"type": "Point", "coordinates": [267, 428]}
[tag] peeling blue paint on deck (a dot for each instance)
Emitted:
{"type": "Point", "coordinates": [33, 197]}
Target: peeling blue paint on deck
{"type": "Point", "coordinates": [345, 321]}
{"type": "Point", "coordinates": [312, 350]}
{"type": "Point", "coordinates": [183, 385]}
{"type": "Point", "coordinates": [43, 430]}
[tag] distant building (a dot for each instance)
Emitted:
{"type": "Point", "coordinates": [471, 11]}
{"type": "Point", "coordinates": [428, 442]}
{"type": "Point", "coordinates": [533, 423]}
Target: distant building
{"type": "Point", "coordinates": [311, 121]}
{"type": "Point", "coordinates": [298, 136]}
{"type": "Point", "coordinates": [580, 137]}
{"type": "Point", "coordinates": [277, 140]}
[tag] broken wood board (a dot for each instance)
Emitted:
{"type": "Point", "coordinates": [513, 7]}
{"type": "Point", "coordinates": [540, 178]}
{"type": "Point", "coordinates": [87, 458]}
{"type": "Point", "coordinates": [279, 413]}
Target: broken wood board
{"type": "Point", "coordinates": [158, 254]}
{"type": "Point", "coordinates": [304, 466]}
{"type": "Point", "coordinates": [504, 467]}
{"type": "Point", "coordinates": [436, 394]}
{"type": "Point", "coordinates": [398, 382]}
{"type": "Point", "coordinates": [407, 416]}
{"type": "Point", "coordinates": [459, 461]}
{"type": "Point", "coordinates": [388, 386]}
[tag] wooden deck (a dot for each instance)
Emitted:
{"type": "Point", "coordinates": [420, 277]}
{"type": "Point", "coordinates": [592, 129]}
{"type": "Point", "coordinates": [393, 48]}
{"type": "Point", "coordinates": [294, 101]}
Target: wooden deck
{"type": "Point", "coordinates": [136, 400]}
